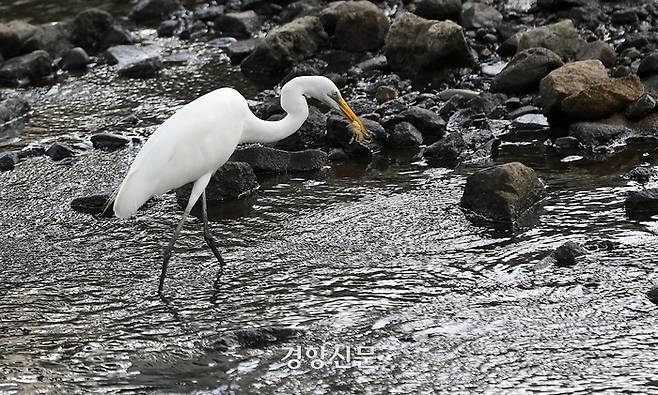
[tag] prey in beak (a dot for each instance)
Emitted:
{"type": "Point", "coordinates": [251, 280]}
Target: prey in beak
{"type": "Point", "coordinates": [360, 134]}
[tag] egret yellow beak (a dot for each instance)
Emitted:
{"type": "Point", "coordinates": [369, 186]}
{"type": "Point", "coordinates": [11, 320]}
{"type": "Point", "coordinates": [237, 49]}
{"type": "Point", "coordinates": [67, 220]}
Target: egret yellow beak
{"type": "Point", "coordinates": [359, 132]}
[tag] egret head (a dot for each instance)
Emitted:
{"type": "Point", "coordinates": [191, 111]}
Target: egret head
{"type": "Point", "coordinates": [325, 91]}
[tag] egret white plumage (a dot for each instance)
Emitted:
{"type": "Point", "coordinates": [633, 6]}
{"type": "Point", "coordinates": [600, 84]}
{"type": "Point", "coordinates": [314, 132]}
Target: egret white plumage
{"type": "Point", "coordinates": [201, 136]}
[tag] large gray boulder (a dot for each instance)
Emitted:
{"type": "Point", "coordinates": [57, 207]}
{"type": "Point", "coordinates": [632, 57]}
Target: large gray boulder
{"type": "Point", "coordinates": [525, 70]}
{"type": "Point", "coordinates": [502, 194]}
{"type": "Point", "coordinates": [414, 44]}
{"type": "Point", "coordinates": [285, 46]}
{"type": "Point", "coordinates": [569, 80]}
{"type": "Point", "coordinates": [95, 31]}
{"type": "Point", "coordinates": [561, 38]}
{"type": "Point", "coordinates": [355, 25]}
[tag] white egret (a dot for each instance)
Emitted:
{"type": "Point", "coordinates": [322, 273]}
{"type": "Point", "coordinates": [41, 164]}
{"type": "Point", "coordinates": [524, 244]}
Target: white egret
{"type": "Point", "coordinates": [201, 136]}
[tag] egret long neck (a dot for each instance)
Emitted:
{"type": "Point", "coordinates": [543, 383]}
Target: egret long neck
{"type": "Point", "coordinates": [294, 103]}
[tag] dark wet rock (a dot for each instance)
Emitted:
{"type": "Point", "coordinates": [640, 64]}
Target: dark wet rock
{"type": "Point", "coordinates": [641, 174]}
{"type": "Point", "coordinates": [641, 143]}
{"type": "Point", "coordinates": [126, 54]}
{"type": "Point", "coordinates": [415, 44]}
{"type": "Point", "coordinates": [603, 99]}
{"type": "Point", "coordinates": [439, 9]}
{"type": "Point", "coordinates": [640, 108]}
{"type": "Point", "coordinates": [526, 69]}
{"type": "Point", "coordinates": [625, 17]}
{"type": "Point", "coordinates": [146, 68]}
{"type": "Point", "coordinates": [234, 180]}
{"type": "Point", "coordinates": [403, 135]}
{"type": "Point", "coordinates": [8, 160]}
{"type": "Point", "coordinates": [238, 24]}
{"type": "Point", "coordinates": [241, 49]}
{"type": "Point", "coordinates": [307, 67]}
{"type": "Point", "coordinates": [209, 13]}
{"type": "Point", "coordinates": [109, 141]}
{"type": "Point", "coordinates": [594, 134]}
{"type": "Point", "coordinates": [12, 36]}
{"type": "Point", "coordinates": [254, 337]}
{"type": "Point", "coordinates": [310, 135]}
{"type": "Point", "coordinates": [426, 121]}
{"type": "Point", "coordinates": [337, 155]}
{"type": "Point", "coordinates": [598, 50]}
{"type": "Point", "coordinates": [554, 5]}
{"type": "Point", "coordinates": [131, 119]}
{"type": "Point", "coordinates": [338, 135]}
{"type": "Point", "coordinates": [478, 15]}
{"type": "Point", "coordinates": [621, 71]}
{"type": "Point", "coordinates": [95, 31]}
{"type": "Point", "coordinates": [355, 25]}
{"type": "Point", "coordinates": [648, 66]}
{"type": "Point", "coordinates": [151, 10]}
{"type": "Point", "coordinates": [52, 38]}
{"type": "Point", "coordinates": [652, 294]}
{"type": "Point", "coordinates": [567, 253]}
{"type": "Point", "coordinates": [569, 80]}
{"type": "Point", "coordinates": [59, 151]}
{"type": "Point", "coordinates": [168, 28]}
{"type": "Point", "coordinates": [385, 93]}
{"type": "Point", "coordinates": [446, 151]}
{"type": "Point", "coordinates": [450, 93]}
{"type": "Point", "coordinates": [642, 203]}
{"type": "Point", "coordinates": [75, 59]}
{"type": "Point", "coordinates": [561, 38]}
{"type": "Point", "coordinates": [271, 160]}
{"type": "Point", "coordinates": [299, 8]}
{"type": "Point", "coordinates": [285, 46]}
{"type": "Point", "coordinates": [375, 63]}
{"type": "Point", "coordinates": [503, 193]}
{"type": "Point", "coordinates": [100, 204]}
{"type": "Point", "coordinates": [33, 66]}
{"type": "Point", "coordinates": [134, 61]}
{"type": "Point", "coordinates": [566, 145]}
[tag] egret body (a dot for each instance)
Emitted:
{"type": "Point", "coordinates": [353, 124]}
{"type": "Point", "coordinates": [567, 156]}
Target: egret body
{"type": "Point", "coordinates": [201, 136]}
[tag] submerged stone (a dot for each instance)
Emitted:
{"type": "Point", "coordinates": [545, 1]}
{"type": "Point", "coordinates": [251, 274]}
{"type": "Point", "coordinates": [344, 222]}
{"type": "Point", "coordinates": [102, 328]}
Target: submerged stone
{"type": "Point", "coordinates": [503, 193]}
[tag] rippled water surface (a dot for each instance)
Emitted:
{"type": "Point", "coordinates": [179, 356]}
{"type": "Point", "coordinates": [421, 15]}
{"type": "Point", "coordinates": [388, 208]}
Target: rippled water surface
{"type": "Point", "coordinates": [360, 255]}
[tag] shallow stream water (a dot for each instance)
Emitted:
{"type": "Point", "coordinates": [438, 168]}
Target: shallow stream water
{"type": "Point", "coordinates": [372, 257]}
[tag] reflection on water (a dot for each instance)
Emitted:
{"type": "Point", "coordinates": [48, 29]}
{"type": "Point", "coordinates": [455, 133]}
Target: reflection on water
{"type": "Point", "coordinates": [373, 255]}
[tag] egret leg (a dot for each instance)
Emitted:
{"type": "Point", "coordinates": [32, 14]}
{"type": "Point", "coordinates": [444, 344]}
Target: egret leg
{"type": "Point", "coordinates": [208, 237]}
{"type": "Point", "coordinates": [197, 189]}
